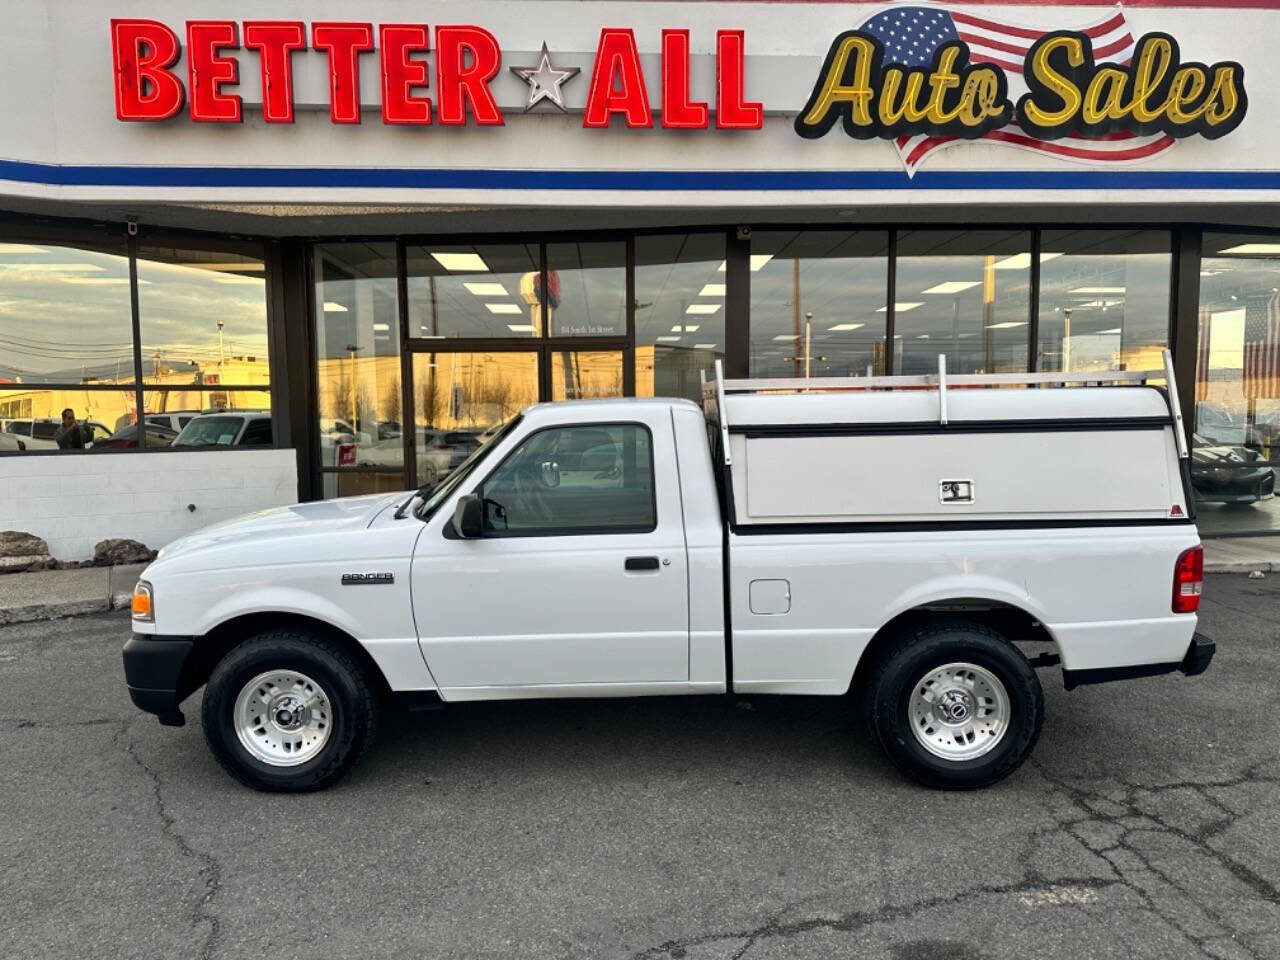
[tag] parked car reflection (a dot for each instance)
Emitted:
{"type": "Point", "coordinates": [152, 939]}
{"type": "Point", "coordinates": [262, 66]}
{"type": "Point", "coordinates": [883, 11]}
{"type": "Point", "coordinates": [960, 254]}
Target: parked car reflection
{"type": "Point", "coordinates": [126, 438]}
{"type": "Point", "coordinates": [1229, 474]}
{"type": "Point", "coordinates": [227, 428]}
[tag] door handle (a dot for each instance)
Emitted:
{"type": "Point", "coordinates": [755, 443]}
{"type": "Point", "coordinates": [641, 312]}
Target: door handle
{"type": "Point", "coordinates": [641, 563]}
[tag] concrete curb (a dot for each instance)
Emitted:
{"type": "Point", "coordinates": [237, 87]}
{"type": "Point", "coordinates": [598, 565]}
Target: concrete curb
{"type": "Point", "coordinates": [23, 596]}
{"type": "Point", "coordinates": [1237, 566]}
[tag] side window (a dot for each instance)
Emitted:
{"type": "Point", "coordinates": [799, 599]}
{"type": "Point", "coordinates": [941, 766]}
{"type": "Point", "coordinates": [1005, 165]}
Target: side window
{"type": "Point", "coordinates": [574, 480]}
{"type": "Point", "coordinates": [257, 434]}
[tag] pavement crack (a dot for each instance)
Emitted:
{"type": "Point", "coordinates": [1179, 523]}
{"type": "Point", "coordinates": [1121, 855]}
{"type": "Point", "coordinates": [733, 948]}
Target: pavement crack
{"type": "Point", "coordinates": [202, 912]}
{"type": "Point", "coordinates": [860, 919]}
{"type": "Point", "coordinates": [1096, 807]}
{"type": "Point", "coordinates": [26, 723]}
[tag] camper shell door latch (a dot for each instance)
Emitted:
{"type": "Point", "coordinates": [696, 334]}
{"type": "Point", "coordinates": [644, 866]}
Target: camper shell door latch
{"type": "Point", "coordinates": [955, 491]}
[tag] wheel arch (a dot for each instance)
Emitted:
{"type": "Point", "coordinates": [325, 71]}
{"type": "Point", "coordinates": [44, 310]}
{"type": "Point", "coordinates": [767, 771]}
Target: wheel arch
{"type": "Point", "coordinates": [1011, 620]}
{"type": "Point", "coordinates": [220, 640]}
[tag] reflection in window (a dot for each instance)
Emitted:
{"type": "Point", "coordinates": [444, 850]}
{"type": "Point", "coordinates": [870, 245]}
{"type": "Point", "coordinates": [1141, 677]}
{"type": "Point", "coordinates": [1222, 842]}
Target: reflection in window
{"type": "Point", "coordinates": [1237, 423]}
{"type": "Point", "coordinates": [474, 291]}
{"type": "Point", "coordinates": [460, 399]}
{"type": "Point", "coordinates": [586, 374]}
{"type": "Point", "coordinates": [170, 412]}
{"type": "Point", "coordinates": [351, 484]}
{"type": "Point", "coordinates": [357, 353]}
{"type": "Point", "coordinates": [65, 313]}
{"type": "Point", "coordinates": [965, 294]}
{"type": "Point", "coordinates": [817, 303]}
{"type": "Point", "coordinates": [680, 296]}
{"type": "Point", "coordinates": [31, 417]}
{"type": "Point", "coordinates": [203, 316]}
{"type": "Point", "coordinates": [589, 479]}
{"type": "Point", "coordinates": [587, 289]}
{"type": "Point", "coordinates": [1104, 299]}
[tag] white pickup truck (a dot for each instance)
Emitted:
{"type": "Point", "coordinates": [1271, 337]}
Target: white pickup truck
{"type": "Point", "coordinates": [899, 539]}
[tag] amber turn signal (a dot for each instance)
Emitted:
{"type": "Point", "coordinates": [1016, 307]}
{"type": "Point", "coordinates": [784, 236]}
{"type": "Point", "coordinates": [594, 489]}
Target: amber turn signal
{"type": "Point", "coordinates": [141, 605]}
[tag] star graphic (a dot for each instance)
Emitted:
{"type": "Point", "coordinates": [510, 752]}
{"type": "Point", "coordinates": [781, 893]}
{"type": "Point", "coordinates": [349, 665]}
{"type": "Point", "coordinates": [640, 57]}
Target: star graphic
{"type": "Point", "coordinates": [544, 81]}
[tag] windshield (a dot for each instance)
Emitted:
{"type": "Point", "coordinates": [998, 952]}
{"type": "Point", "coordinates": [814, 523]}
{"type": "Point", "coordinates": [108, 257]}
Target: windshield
{"type": "Point", "coordinates": [451, 482]}
{"type": "Point", "coordinates": [209, 431]}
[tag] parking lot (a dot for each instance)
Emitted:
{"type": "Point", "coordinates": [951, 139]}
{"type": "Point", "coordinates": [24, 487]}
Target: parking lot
{"type": "Point", "coordinates": [1145, 826]}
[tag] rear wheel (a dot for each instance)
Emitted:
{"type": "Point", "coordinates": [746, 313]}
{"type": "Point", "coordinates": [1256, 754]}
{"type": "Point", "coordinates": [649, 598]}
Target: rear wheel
{"type": "Point", "coordinates": [955, 705]}
{"type": "Point", "coordinates": [289, 711]}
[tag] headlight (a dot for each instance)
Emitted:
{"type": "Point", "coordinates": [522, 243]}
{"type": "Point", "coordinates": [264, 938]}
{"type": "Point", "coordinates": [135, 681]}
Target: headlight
{"type": "Point", "coordinates": [142, 607]}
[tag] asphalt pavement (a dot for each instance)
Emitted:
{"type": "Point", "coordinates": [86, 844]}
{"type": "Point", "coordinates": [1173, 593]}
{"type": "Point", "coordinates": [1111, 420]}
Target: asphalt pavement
{"type": "Point", "coordinates": [1144, 827]}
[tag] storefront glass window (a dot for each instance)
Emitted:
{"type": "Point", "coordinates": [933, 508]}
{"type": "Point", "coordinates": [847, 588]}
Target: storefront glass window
{"type": "Point", "coordinates": [1236, 441]}
{"type": "Point", "coordinates": [680, 294]}
{"type": "Point", "coordinates": [461, 398]}
{"type": "Point", "coordinates": [1104, 299]}
{"type": "Point", "coordinates": [965, 294]}
{"type": "Point", "coordinates": [203, 316]}
{"type": "Point", "coordinates": [358, 356]}
{"type": "Point", "coordinates": [817, 303]}
{"type": "Point", "coordinates": [183, 417]}
{"type": "Point", "coordinates": [65, 313]}
{"type": "Point", "coordinates": [586, 374]}
{"type": "Point", "coordinates": [474, 291]}
{"type": "Point", "coordinates": [587, 289]}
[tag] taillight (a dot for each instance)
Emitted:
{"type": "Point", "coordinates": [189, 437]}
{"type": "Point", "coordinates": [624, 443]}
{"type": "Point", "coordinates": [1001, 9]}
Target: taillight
{"type": "Point", "coordinates": [1188, 580]}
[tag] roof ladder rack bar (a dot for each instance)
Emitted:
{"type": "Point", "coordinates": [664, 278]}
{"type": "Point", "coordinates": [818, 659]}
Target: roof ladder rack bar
{"type": "Point", "coordinates": [1175, 406]}
{"type": "Point", "coordinates": [722, 411]}
{"type": "Point", "coordinates": [916, 381]}
{"type": "Point", "coordinates": [942, 389]}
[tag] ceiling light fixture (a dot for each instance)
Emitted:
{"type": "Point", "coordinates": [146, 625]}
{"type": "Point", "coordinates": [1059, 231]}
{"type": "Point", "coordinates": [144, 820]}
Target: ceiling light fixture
{"type": "Point", "coordinates": [702, 309]}
{"type": "Point", "coordinates": [902, 307]}
{"type": "Point", "coordinates": [1112, 290]}
{"type": "Point", "coordinates": [952, 286]}
{"type": "Point", "coordinates": [712, 290]}
{"type": "Point", "coordinates": [331, 307]}
{"type": "Point", "coordinates": [841, 327]}
{"type": "Point", "coordinates": [481, 289]}
{"type": "Point", "coordinates": [1253, 248]}
{"type": "Point", "coordinates": [461, 262]}
{"type": "Point", "coordinates": [504, 307]}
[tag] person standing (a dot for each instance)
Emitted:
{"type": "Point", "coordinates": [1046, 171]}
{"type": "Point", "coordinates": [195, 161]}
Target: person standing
{"type": "Point", "coordinates": [70, 435]}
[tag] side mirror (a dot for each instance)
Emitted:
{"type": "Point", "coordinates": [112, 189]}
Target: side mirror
{"type": "Point", "coordinates": [468, 517]}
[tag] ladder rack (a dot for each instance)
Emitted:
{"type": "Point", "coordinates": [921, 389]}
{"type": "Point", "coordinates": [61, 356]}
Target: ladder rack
{"type": "Point", "coordinates": [715, 391]}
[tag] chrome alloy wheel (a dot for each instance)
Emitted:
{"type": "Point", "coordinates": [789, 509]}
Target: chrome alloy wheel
{"type": "Point", "coordinates": [283, 718]}
{"type": "Point", "coordinates": [959, 711]}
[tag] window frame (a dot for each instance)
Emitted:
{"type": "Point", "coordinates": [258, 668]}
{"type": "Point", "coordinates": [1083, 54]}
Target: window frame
{"type": "Point", "coordinates": [573, 531]}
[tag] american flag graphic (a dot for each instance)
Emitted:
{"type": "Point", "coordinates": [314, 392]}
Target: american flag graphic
{"type": "Point", "coordinates": [910, 36]}
{"type": "Point", "coordinates": [1262, 347]}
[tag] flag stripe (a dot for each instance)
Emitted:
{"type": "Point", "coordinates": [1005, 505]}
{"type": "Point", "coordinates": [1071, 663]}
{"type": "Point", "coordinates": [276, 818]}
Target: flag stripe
{"type": "Point", "coordinates": [1032, 34]}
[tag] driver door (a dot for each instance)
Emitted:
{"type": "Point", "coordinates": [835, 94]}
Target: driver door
{"type": "Point", "coordinates": [580, 576]}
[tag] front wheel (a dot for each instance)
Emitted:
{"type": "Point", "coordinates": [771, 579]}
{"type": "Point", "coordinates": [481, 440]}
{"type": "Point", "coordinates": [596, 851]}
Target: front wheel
{"type": "Point", "coordinates": [289, 711]}
{"type": "Point", "coordinates": [955, 705]}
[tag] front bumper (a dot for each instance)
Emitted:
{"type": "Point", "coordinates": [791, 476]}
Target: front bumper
{"type": "Point", "coordinates": [1199, 653]}
{"type": "Point", "coordinates": [153, 672]}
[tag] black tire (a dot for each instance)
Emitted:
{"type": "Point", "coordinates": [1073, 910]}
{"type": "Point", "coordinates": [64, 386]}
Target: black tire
{"type": "Point", "coordinates": [925, 647]}
{"type": "Point", "coordinates": [351, 693]}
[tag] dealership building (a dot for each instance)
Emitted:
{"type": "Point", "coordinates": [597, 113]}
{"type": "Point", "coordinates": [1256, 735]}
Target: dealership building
{"type": "Point", "coordinates": [320, 249]}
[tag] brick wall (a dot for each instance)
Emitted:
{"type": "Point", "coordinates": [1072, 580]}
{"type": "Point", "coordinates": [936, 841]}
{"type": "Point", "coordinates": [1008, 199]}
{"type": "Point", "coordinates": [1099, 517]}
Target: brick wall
{"type": "Point", "coordinates": [73, 501]}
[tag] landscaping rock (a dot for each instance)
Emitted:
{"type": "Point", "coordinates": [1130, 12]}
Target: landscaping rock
{"type": "Point", "coordinates": [20, 552]}
{"type": "Point", "coordinates": [110, 553]}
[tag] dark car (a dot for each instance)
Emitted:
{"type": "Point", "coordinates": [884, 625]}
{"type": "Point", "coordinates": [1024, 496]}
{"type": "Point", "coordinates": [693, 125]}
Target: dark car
{"type": "Point", "coordinates": [127, 437]}
{"type": "Point", "coordinates": [1229, 474]}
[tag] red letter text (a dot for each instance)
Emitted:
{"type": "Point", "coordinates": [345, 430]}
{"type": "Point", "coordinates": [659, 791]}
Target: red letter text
{"type": "Point", "coordinates": [208, 70]}
{"type": "Point", "coordinates": [145, 90]}
{"type": "Point", "coordinates": [400, 74]}
{"type": "Point", "coordinates": [677, 110]}
{"type": "Point", "coordinates": [275, 41]}
{"type": "Point", "coordinates": [460, 83]}
{"type": "Point", "coordinates": [344, 43]}
{"type": "Point", "coordinates": [617, 82]}
{"type": "Point", "coordinates": [732, 113]}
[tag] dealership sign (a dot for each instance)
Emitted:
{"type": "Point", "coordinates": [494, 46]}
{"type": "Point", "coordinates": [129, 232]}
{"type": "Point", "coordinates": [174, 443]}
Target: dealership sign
{"type": "Point", "coordinates": [920, 77]}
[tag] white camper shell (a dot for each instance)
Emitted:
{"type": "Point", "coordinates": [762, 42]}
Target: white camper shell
{"type": "Point", "coordinates": [936, 450]}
